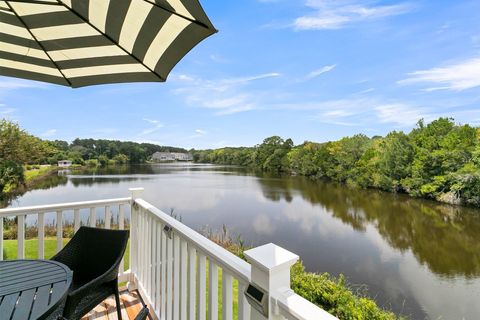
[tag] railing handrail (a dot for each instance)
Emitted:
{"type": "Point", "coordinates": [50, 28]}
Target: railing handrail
{"type": "Point", "coordinates": [238, 267]}
{"type": "Point", "coordinates": [292, 306]}
{"type": "Point", "coordinates": [62, 206]}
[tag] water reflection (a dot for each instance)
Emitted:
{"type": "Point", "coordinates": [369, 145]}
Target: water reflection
{"type": "Point", "coordinates": [445, 238]}
{"type": "Point", "coordinates": [46, 183]}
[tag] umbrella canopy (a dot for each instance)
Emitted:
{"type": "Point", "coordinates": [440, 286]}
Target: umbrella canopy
{"type": "Point", "coordinates": [85, 42]}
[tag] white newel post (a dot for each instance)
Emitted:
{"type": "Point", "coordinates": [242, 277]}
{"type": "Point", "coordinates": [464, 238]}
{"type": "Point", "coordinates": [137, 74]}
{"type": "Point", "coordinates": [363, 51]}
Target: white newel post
{"type": "Point", "coordinates": [270, 272]}
{"type": "Point", "coordinates": [136, 193]}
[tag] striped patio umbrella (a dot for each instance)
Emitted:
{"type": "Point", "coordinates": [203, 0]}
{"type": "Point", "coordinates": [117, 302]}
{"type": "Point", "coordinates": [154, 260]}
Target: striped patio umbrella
{"type": "Point", "coordinates": [86, 42]}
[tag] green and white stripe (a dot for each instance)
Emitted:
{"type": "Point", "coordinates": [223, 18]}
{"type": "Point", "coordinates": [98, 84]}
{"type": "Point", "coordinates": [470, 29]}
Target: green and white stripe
{"type": "Point", "coordinates": [85, 42]}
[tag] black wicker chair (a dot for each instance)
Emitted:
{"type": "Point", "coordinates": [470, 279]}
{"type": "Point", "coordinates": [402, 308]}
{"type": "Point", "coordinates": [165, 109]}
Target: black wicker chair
{"type": "Point", "coordinates": [94, 256]}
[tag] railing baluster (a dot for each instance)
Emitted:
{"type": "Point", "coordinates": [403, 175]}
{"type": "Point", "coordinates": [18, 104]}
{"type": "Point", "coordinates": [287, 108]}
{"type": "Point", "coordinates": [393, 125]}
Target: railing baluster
{"type": "Point", "coordinates": [201, 287]}
{"type": "Point", "coordinates": [76, 218]}
{"type": "Point", "coordinates": [59, 230]}
{"type": "Point", "coordinates": [93, 217]}
{"type": "Point", "coordinates": [121, 217]}
{"type": "Point", "coordinates": [21, 237]}
{"type": "Point", "coordinates": [169, 278]}
{"type": "Point", "coordinates": [121, 226]}
{"type": "Point", "coordinates": [133, 239]}
{"type": "Point", "coordinates": [176, 277]}
{"type": "Point", "coordinates": [41, 235]}
{"type": "Point", "coordinates": [183, 280]}
{"type": "Point", "coordinates": [138, 251]}
{"type": "Point", "coordinates": [192, 265]}
{"type": "Point", "coordinates": [243, 306]}
{"type": "Point", "coordinates": [148, 259]}
{"type": "Point", "coordinates": [212, 290]}
{"type": "Point", "coordinates": [142, 266]}
{"type": "Point", "coordinates": [1, 238]}
{"type": "Point", "coordinates": [227, 299]}
{"type": "Point", "coordinates": [158, 262]}
{"type": "Point", "coordinates": [153, 268]}
{"type": "Point", "coordinates": [108, 217]}
{"type": "Point", "coordinates": [163, 306]}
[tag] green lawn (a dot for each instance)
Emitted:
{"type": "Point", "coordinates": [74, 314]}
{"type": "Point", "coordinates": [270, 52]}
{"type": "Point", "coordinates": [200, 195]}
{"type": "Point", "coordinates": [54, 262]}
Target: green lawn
{"type": "Point", "coordinates": [31, 249]}
{"type": "Point", "coordinates": [36, 173]}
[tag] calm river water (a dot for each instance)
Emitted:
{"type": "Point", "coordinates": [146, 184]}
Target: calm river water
{"type": "Point", "coordinates": [418, 258]}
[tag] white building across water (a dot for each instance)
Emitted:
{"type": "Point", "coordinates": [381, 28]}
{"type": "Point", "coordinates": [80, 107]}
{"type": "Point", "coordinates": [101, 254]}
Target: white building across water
{"type": "Point", "coordinates": [171, 156]}
{"type": "Point", "coordinates": [64, 163]}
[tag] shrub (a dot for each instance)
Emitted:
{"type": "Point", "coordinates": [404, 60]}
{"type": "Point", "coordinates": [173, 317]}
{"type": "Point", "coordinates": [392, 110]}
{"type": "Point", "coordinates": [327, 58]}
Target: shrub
{"type": "Point", "coordinates": [91, 163]}
{"type": "Point", "coordinates": [121, 159]}
{"type": "Point", "coordinates": [103, 160]}
{"type": "Point", "coordinates": [334, 296]}
{"type": "Point", "coordinates": [11, 175]}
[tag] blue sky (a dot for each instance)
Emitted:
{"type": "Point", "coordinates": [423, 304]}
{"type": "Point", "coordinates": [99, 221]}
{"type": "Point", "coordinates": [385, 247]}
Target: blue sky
{"type": "Point", "coordinates": [307, 69]}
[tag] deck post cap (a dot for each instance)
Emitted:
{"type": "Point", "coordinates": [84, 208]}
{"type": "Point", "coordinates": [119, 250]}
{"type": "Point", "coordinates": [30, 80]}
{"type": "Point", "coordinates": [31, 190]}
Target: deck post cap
{"type": "Point", "coordinates": [136, 189]}
{"type": "Point", "coordinates": [136, 192]}
{"type": "Point", "coordinates": [271, 257]}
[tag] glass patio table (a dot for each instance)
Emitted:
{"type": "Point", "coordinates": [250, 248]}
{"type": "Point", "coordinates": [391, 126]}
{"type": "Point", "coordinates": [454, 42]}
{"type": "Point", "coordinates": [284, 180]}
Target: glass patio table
{"type": "Point", "coordinates": [33, 289]}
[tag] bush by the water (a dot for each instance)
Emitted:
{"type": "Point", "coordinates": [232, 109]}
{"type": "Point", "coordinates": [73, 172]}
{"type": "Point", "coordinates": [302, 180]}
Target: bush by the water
{"type": "Point", "coordinates": [329, 293]}
{"type": "Point", "coordinates": [11, 175]}
{"type": "Point", "coordinates": [335, 296]}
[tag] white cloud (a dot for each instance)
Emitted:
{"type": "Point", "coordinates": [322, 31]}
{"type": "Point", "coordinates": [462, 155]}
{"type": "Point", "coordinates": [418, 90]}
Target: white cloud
{"type": "Point", "coordinates": [6, 111]}
{"type": "Point", "coordinates": [219, 59]}
{"type": "Point", "coordinates": [320, 71]}
{"type": "Point", "coordinates": [224, 96]}
{"type": "Point", "coordinates": [181, 77]}
{"type": "Point", "coordinates": [13, 84]}
{"type": "Point", "coordinates": [366, 91]}
{"type": "Point", "coordinates": [336, 14]}
{"type": "Point", "coordinates": [156, 126]}
{"type": "Point", "coordinates": [338, 113]}
{"type": "Point", "coordinates": [360, 111]}
{"type": "Point", "coordinates": [460, 76]}
{"type": "Point", "coordinates": [200, 131]}
{"type": "Point", "coordinates": [151, 121]}
{"type": "Point", "coordinates": [402, 115]}
{"type": "Point", "coordinates": [49, 133]}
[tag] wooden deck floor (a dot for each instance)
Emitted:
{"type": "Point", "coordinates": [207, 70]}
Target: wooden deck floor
{"type": "Point", "coordinates": [131, 306]}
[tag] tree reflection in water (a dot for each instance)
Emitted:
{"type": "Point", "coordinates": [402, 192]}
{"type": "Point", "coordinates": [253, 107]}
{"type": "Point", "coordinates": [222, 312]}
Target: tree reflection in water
{"type": "Point", "coordinates": [443, 237]}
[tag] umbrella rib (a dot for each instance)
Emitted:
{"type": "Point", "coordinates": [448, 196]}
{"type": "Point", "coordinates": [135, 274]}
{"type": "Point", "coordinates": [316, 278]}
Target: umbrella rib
{"type": "Point", "coordinates": [34, 2]}
{"type": "Point", "coordinates": [109, 38]}
{"type": "Point", "coordinates": [179, 15]}
{"type": "Point", "coordinates": [39, 43]}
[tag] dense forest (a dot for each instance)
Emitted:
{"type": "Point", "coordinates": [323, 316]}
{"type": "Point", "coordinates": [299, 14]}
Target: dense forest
{"type": "Point", "coordinates": [439, 160]}
{"type": "Point", "coordinates": [20, 150]}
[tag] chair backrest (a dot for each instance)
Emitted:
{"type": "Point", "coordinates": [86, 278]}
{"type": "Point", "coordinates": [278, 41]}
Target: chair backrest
{"type": "Point", "coordinates": [142, 315]}
{"type": "Point", "coordinates": [93, 251]}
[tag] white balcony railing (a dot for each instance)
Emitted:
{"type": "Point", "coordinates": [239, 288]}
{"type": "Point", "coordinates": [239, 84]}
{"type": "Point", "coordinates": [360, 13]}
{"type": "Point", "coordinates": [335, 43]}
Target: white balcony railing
{"type": "Point", "coordinates": [177, 271]}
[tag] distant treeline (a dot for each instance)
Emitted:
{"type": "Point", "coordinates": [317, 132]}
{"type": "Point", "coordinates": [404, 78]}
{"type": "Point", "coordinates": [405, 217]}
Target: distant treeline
{"type": "Point", "coordinates": [81, 150]}
{"type": "Point", "coordinates": [439, 160]}
{"type": "Point", "coordinates": [19, 149]}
